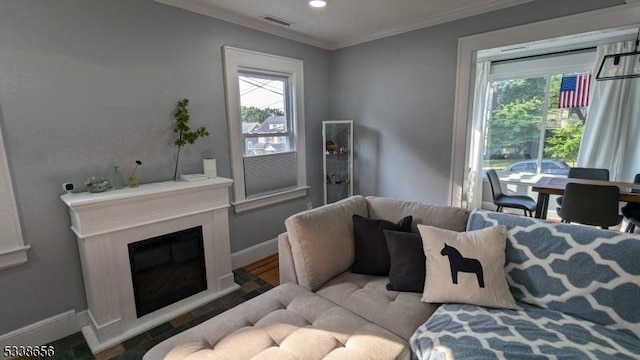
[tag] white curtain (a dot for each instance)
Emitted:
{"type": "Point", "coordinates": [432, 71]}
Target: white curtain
{"type": "Point", "coordinates": [473, 179]}
{"type": "Point", "coordinates": [612, 128]}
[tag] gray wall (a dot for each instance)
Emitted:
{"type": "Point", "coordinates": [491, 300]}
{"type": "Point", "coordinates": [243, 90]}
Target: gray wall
{"type": "Point", "coordinates": [400, 93]}
{"type": "Point", "coordinates": [86, 84]}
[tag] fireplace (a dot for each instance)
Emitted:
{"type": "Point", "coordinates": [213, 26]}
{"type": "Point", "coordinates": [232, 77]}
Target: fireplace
{"type": "Point", "coordinates": [150, 253]}
{"type": "Point", "coordinates": [166, 269]}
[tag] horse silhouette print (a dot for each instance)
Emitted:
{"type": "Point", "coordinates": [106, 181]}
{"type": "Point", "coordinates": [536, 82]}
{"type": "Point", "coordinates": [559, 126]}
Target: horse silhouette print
{"type": "Point", "coordinates": [458, 263]}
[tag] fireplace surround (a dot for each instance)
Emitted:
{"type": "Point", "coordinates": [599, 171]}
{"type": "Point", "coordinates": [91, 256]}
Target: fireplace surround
{"type": "Point", "coordinates": [109, 224]}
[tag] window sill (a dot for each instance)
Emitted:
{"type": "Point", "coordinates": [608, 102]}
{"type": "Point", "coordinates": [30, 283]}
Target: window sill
{"type": "Point", "coordinates": [13, 257]}
{"type": "Point", "coordinates": [526, 179]}
{"type": "Point", "coordinates": [258, 202]}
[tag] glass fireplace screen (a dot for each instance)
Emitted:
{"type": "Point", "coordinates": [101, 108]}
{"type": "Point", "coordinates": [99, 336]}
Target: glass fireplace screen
{"type": "Point", "coordinates": [167, 268]}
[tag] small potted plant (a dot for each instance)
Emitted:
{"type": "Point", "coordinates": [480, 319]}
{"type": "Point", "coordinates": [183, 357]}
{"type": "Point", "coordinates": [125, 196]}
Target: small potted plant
{"type": "Point", "coordinates": [185, 134]}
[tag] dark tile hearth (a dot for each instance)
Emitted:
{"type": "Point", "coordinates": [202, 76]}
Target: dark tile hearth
{"type": "Point", "coordinates": [75, 347]}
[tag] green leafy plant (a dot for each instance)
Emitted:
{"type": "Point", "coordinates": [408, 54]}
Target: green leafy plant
{"type": "Point", "coordinates": [564, 143]}
{"type": "Point", "coordinates": [185, 134]}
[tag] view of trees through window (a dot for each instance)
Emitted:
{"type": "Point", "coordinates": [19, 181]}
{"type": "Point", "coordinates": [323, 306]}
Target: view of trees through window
{"type": "Point", "coordinates": [527, 131]}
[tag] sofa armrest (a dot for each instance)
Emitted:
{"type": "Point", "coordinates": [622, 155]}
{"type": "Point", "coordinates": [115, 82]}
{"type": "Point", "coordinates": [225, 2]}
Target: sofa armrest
{"type": "Point", "coordinates": [285, 260]}
{"type": "Point", "coordinates": [321, 240]}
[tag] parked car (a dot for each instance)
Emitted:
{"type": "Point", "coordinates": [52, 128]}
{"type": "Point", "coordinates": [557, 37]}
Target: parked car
{"type": "Point", "coordinates": [549, 166]}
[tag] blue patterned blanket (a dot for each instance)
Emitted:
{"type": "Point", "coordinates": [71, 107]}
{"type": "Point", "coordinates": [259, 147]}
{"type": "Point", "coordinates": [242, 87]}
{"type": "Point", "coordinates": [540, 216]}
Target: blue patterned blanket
{"type": "Point", "coordinates": [459, 331]}
{"type": "Point", "coordinates": [583, 283]}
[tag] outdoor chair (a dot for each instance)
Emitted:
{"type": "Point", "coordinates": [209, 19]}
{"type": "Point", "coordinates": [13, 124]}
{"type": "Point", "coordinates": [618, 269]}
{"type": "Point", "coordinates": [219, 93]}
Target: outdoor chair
{"type": "Point", "coordinates": [591, 205]}
{"type": "Point", "coordinates": [502, 201]}
{"type": "Point", "coordinates": [631, 211]}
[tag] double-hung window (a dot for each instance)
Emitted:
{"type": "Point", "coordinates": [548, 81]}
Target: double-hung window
{"type": "Point", "coordinates": [266, 127]}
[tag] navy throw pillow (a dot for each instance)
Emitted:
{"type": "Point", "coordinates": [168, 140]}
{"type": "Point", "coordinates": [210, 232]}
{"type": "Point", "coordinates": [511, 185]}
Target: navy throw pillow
{"type": "Point", "coordinates": [372, 255]}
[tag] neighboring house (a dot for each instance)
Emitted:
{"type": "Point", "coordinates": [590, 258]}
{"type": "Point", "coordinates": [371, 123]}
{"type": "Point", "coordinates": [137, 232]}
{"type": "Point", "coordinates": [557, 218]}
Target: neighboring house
{"type": "Point", "coordinates": [272, 124]}
{"type": "Point", "coordinates": [266, 144]}
{"type": "Point", "coordinates": [249, 127]}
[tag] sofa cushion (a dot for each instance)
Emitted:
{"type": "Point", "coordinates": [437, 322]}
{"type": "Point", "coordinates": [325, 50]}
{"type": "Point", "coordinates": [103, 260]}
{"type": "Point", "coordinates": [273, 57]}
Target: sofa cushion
{"type": "Point", "coordinates": [322, 242]}
{"type": "Point", "coordinates": [466, 267]}
{"type": "Point", "coordinates": [287, 322]}
{"type": "Point", "coordinates": [367, 296]}
{"type": "Point", "coordinates": [582, 271]}
{"type": "Point", "coordinates": [460, 331]}
{"type": "Point", "coordinates": [445, 217]}
{"type": "Point", "coordinates": [407, 269]}
{"type": "Point", "coordinates": [371, 252]}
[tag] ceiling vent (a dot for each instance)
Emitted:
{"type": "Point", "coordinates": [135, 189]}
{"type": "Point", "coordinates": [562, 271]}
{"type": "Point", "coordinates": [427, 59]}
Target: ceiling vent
{"type": "Point", "coordinates": [275, 20]}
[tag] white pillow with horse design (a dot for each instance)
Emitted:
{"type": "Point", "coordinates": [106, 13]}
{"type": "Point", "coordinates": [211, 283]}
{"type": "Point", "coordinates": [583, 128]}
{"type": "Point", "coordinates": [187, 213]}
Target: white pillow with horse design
{"type": "Point", "coordinates": [466, 267]}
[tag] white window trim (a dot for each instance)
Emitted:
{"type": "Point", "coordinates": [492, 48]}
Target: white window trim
{"type": "Point", "coordinates": [234, 60]}
{"type": "Point", "coordinates": [13, 251]}
{"type": "Point", "coordinates": [543, 66]}
{"type": "Point", "coordinates": [622, 16]}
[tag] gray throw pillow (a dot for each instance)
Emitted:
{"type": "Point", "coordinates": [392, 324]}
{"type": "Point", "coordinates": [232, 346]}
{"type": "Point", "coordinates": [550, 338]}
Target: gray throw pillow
{"type": "Point", "coordinates": [407, 269]}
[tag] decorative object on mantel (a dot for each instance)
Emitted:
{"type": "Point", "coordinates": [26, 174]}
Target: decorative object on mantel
{"type": "Point", "coordinates": [96, 184]}
{"type": "Point", "coordinates": [193, 177]}
{"type": "Point", "coordinates": [621, 66]}
{"type": "Point", "coordinates": [185, 135]}
{"type": "Point", "coordinates": [132, 179]}
{"type": "Point", "coordinates": [209, 167]}
{"type": "Point", "coordinates": [117, 182]}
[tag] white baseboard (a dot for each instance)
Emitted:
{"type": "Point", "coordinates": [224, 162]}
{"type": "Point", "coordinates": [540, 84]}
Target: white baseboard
{"type": "Point", "coordinates": [47, 330]}
{"type": "Point", "coordinates": [254, 253]}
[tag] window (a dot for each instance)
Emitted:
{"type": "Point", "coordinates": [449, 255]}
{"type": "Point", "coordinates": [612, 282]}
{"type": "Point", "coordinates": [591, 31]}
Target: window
{"type": "Point", "coordinates": [12, 249]}
{"type": "Point", "coordinates": [265, 109]}
{"type": "Point", "coordinates": [266, 119]}
{"type": "Point", "coordinates": [531, 129]}
{"type": "Point", "coordinates": [584, 28]}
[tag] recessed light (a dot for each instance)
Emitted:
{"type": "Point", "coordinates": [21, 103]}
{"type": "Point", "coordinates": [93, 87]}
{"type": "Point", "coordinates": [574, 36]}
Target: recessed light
{"type": "Point", "coordinates": [318, 3]}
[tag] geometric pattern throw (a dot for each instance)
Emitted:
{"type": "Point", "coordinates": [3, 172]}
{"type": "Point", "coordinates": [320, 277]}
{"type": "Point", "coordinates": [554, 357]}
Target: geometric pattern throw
{"type": "Point", "coordinates": [583, 271]}
{"type": "Point", "coordinates": [462, 331]}
{"type": "Point", "coordinates": [578, 286]}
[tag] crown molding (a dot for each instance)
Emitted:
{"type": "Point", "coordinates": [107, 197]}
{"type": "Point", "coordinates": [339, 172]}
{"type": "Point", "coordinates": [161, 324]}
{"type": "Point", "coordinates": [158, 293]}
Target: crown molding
{"type": "Point", "coordinates": [246, 21]}
{"type": "Point", "coordinates": [441, 18]}
{"type": "Point", "coordinates": [257, 24]}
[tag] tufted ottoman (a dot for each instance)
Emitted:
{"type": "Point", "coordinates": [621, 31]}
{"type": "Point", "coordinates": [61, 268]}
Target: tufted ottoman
{"type": "Point", "coordinates": [287, 322]}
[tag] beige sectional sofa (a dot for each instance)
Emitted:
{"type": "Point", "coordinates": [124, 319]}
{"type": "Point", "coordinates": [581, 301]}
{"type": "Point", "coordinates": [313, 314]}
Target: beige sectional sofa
{"type": "Point", "coordinates": [321, 309]}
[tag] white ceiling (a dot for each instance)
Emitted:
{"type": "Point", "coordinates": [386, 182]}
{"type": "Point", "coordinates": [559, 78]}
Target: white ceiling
{"type": "Point", "coordinates": [342, 22]}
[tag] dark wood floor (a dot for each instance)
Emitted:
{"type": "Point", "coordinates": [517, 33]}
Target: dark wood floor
{"type": "Point", "coordinates": [254, 279]}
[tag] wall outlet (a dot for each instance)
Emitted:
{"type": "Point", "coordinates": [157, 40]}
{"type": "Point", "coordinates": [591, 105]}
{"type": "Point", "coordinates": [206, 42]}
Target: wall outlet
{"type": "Point", "coordinates": [309, 205]}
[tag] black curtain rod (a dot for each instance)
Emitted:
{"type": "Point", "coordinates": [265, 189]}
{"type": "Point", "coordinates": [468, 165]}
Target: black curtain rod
{"type": "Point", "coordinates": [546, 54]}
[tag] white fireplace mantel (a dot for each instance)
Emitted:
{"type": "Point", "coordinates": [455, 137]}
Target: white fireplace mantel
{"type": "Point", "coordinates": [105, 223]}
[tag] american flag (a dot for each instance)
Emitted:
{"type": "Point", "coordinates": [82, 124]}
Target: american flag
{"type": "Point", "coordinates": [574, 90]}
